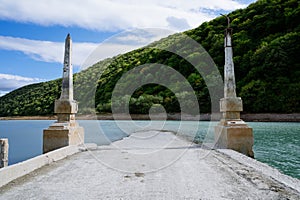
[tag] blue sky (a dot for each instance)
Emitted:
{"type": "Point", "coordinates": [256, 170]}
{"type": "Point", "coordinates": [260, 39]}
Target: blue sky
{"type": "Point", "coordinates": [32, 32]}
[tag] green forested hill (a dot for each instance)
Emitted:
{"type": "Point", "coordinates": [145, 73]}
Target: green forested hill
{"type": "Point", "coordinates": [266, 43]}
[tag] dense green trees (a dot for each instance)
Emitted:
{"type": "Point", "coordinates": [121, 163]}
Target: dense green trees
{"type": "Point", "coordinates": [266, 41]}
{"type": "Point", "coordinates": [35, 99]}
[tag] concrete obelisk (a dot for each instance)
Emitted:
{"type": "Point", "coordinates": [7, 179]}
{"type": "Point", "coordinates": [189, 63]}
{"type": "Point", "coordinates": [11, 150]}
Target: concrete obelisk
{"type": "Point", "coordinates": [65, 131]}
{"type": "Point", "coordinates": [232, 132]}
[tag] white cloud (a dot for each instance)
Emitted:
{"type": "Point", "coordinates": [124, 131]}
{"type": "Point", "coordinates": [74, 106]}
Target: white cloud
{"type": "Point", "coordinates": [84, 54]}
{"type": "Point", "coordinates": [178, 23]}
{"type": "Point", "coordinates": [9, 82]}
{"type": "Point", "coordinates": [113, 14]}
{"type": "Point", "coordinates": [140, 36]}
{"type": "Point", "coordinates": [2, 93]}
{"type": "Point", "coordinates": [45, 50]}
{"type": "Point", "coordinates": [17, 78]}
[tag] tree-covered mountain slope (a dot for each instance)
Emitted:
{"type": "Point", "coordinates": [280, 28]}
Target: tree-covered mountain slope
{"type": "Point", "coordinates": [266, 42]}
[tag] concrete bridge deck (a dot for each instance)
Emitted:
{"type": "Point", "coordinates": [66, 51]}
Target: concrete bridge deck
{"type": "Point", "coordinates": [152, 165]}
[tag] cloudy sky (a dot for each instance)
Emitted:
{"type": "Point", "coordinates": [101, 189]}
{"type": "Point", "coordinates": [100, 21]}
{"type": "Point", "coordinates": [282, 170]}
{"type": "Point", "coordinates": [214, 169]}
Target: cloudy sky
{"type": "Point", "coordinates": [32, 32]}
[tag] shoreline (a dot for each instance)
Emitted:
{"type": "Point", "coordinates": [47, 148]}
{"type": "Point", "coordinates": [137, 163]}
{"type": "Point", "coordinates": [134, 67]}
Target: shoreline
{"type": "Point", "coordinates": [248, 117]}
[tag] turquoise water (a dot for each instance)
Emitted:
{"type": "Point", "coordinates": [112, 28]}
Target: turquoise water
{"type": "Point", "coordinates": [277, 144]}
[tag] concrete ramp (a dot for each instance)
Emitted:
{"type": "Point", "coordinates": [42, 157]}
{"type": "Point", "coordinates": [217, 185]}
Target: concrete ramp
{"type": "Point", "coordinates": [153, 165]}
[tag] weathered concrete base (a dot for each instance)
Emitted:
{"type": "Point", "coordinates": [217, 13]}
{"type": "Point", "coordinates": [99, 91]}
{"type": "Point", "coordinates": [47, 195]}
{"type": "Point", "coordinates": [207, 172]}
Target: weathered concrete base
{"type": "Point", "coordinates": [65, 106]}
{"type": "Point", "coordinates": [231, 107]}
{"type": "Point", "coordinates": [62, 134]}
{"type": "Point", "coordinates": [235, 135]}
{"type": "Point", "coordinates": [231, 104]}
{"type": "Point", "coordinates": [3, 152]}
{"type": "Point", "coordinates": [65, 110]}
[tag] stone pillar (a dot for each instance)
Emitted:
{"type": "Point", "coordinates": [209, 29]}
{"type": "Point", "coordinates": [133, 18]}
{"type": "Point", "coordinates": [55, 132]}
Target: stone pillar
{"type": "Point", "coordinates": [3, 153]}
{"type": "Point", "coordinates": [66, 130]}
{"type": "Point", "coordinates": [232, 132]}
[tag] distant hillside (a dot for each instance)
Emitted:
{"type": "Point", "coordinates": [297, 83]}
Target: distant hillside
{"type": "Point", "coordinates": [266, 44]}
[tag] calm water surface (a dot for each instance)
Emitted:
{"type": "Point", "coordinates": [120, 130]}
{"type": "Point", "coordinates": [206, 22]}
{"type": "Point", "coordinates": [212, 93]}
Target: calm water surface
{"type": "Point", "coordinates": [277, 144]}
